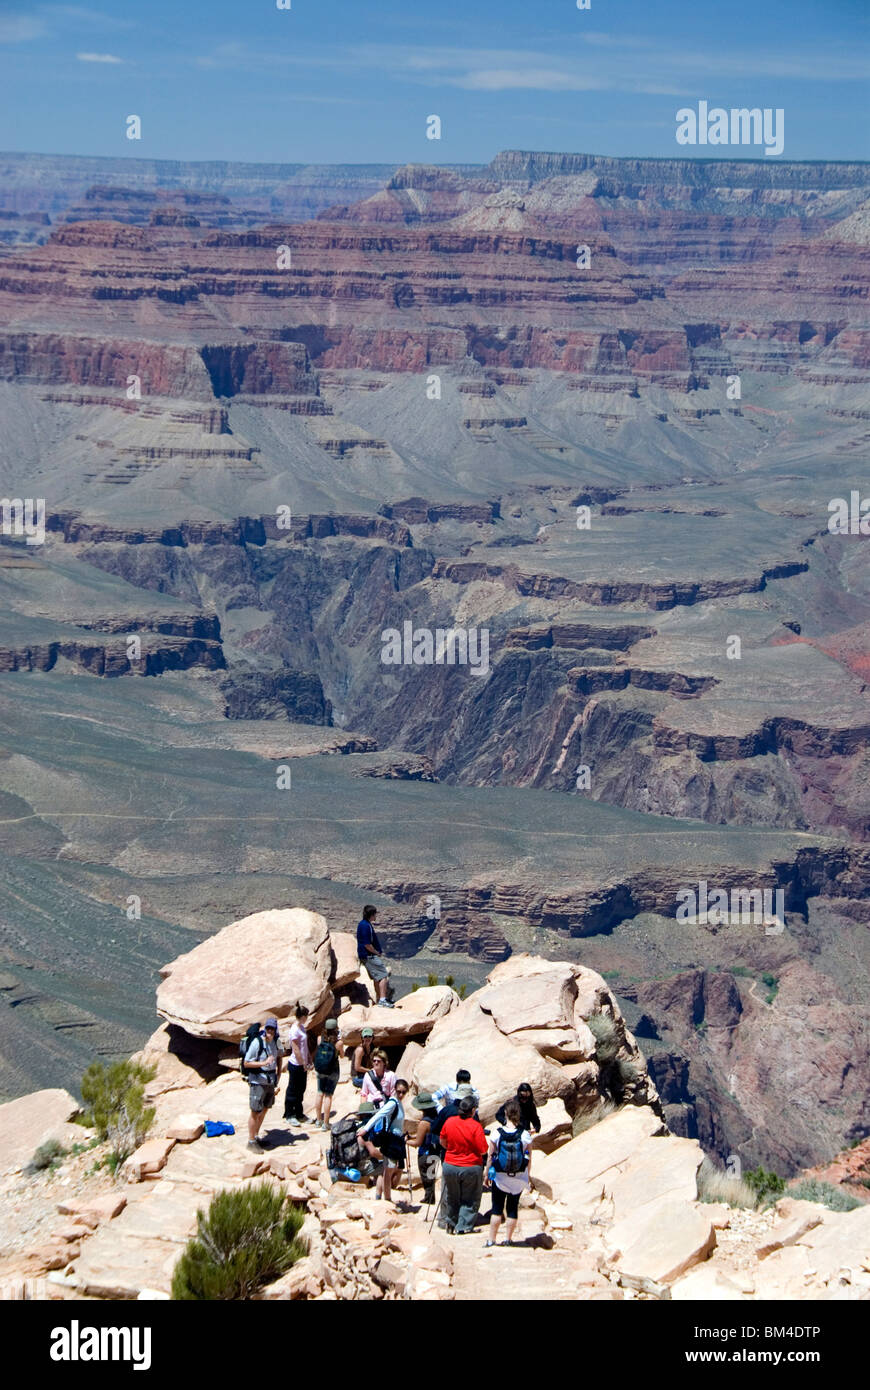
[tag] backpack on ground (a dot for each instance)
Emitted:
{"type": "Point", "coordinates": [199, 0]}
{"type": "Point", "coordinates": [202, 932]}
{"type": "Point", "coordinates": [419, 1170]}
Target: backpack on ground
{"type": "Point", "coordinates": [510, 1156]}
{"type": "Point", "coordinates": [252, 1033]}
{"type": "Point", "coordinates": [345, 1150]}
{"type": "Point", "coordinates": [325, 1058]}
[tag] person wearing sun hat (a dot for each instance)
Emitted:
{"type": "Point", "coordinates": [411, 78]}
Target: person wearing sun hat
{"type": "Point", "coordinates": [425, 1141]}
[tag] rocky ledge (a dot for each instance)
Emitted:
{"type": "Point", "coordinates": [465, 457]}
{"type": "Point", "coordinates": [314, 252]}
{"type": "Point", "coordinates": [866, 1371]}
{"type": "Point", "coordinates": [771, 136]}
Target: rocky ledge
{"type": "Point", "coordinates": [615, 1212]}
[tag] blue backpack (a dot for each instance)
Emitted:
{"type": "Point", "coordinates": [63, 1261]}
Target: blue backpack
{"type": "Point", "coordinates": [510, 1156]}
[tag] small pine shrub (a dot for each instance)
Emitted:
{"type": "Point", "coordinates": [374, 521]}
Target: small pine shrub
{"type": "Point", "coordinates": [448, 980]}
{"type": "Point", "coordinates": [830, 1196]}
{"type": "Point", "coordinates": [716, 1186]}
{"type": "Point", "coordinates": [415, 986]}
{"type": "Point", "coordinates": [114, 1097]}
{"type": "Point", "coordinates": [766, 1186]}
{"type": "Point", "coordinates": [462, 991]}
{"type": "Point", "coordinates": [248, 1238]}
{"type": "Point", "coordinates": [48, 1155]}
{"type": "Point", "coordinates": [431, 979]}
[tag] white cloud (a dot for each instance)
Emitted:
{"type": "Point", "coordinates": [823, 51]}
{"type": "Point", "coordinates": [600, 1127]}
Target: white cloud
{"type": "Point", "coordinates": [98, 58]}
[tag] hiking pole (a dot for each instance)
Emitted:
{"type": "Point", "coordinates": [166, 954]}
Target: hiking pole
{"type": "Point", "coordinates": [438, 1208]}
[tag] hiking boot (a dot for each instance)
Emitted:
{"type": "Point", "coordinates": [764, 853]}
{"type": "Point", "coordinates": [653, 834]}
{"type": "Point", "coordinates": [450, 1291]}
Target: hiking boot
{"type": "Point", "coordinates": [255, 1146]}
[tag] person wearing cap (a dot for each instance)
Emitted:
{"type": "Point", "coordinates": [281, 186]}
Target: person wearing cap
{"type": "Point", "coordinates": [262, 1064]}
{"type": "Point", "coordinates": [465, 1150]}
{"type": "Point", "coordinates": [425, 1141]}
{"type": "Point", "coordinates": [363, 1057]}
{"type": "Point", "coordinates": [326, 1069]}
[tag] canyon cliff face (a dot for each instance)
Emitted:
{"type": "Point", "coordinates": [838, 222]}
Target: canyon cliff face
{"type": "Point", "coordinates": [595, 408]}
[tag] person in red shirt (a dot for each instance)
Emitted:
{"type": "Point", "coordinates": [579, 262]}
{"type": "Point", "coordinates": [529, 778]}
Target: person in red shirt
{"type": "Point", "coordinates": [465, 1148]}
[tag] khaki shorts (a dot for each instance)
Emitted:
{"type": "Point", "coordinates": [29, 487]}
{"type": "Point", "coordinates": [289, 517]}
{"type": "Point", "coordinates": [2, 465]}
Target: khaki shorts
{"type": "Point", "coordinates": [376, 966]}
{"type": "Point", "coordinates": [262, 1097]}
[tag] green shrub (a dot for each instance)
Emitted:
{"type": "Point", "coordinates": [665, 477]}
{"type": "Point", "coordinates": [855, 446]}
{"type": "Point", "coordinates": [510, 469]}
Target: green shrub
{"type": "Point", "coordinates": [448, 980]}
{"type": "Point", "coordinates": [830, 1196]}
{"type": "Point", "coordinates": [462, 991]}
{"type": "Point", "coordinates": [415, 986]}
{"type": "Point", "coordinates": [114, 1097]}
{"type": "Point", "coordinates": [48, 1155]}
{"type": "Point", "coordinates": [248, 1238]}
{"type": "Point", "coordinates": [765, 1185]}
{"type": "Point", "coordinates": [772, 982]}
{"type": "Point", "coordinates": [431, 979]}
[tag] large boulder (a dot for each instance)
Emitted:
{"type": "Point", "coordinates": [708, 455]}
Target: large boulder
{"type": "Point", "coordinates": [257, 966]}
{"type": "Point", "coordinates": [33, 1120]}
{"type": "Point", "coordinates": [535, 998]}
{"type": "Point", "coordinates": [345, 962]}
{"type": "Point", "coordinates": [579, 1171]}
{"type": "Point", "coordinates": [413, 1017]}
{"type": "Point", "coordinates": [469, 1037]}
{"type": "Point", "coordinates": [660, 1241]}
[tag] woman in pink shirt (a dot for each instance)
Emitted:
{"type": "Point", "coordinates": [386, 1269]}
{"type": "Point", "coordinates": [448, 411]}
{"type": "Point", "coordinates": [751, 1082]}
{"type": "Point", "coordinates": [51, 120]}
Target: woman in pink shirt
{"type": "Point", "coordinates": [379, 1084]}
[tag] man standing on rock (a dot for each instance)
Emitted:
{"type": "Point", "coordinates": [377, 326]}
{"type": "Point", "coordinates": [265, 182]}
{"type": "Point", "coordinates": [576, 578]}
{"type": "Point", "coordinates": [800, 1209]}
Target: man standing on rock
{"type": "Point", "coordinates": [371, 955]}
{"type": "Point", "coordinates": [263, 1066]}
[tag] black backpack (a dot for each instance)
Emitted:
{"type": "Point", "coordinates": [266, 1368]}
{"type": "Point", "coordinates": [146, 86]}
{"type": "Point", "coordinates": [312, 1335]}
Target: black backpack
{"type": "Point", "coordinates": [325, 1057]}
{"type": "Point", "coordinates": [345, 1150]}
{"type": "Point", "coordinates": [510, 1157]}
{"type": "Point", "coordinates": [244, 1043]}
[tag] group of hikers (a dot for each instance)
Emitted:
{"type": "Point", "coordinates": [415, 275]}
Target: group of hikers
{"type": "Point", "coordinates": [449, 1136]}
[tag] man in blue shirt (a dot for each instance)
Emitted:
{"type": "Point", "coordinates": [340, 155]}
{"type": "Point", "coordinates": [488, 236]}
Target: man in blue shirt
{"type": "Point", "coordinates": [371, 955]}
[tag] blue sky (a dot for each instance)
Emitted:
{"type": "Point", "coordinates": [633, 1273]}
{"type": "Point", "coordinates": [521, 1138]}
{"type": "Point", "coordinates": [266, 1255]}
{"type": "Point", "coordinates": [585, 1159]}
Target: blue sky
{"type": "Point", "coordinates": [352, 81]}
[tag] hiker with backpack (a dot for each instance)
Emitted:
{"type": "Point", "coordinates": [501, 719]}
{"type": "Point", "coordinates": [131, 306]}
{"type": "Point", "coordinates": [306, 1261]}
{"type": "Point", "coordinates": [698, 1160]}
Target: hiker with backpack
{"type": "Point", "coordinates": [261, 1058]}
{"type": "Point", "coordinates": [363, 1057]}
{"type": "Point", "coordinates": [383, 1137]}
{"type": "Point", "coordinates": [465, 1150]}
{"type": "Point", "coordinates": [464, 1091]}
{"type": "Point", "coordinates": [326, 1069]}
{"type": "Point", "coordinates": [378, 1083]}
{"type": "Point", "coordinates": [370, 954]}
{"type": "Point", "coordinates": [529, 1118]}
{"type": "Point", "coordinates": [509, 1170]}
{"type": "Point", "coordinates": [298, 1067]}
{"type": "Point", "coordinates": [446, 1095]}
{"type": "Point", "coordinates": [425, 1141]}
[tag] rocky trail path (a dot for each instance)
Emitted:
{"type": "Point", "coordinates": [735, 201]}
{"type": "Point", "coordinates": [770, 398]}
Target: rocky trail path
{"type": "Point", "coordinates": [534, 1271]}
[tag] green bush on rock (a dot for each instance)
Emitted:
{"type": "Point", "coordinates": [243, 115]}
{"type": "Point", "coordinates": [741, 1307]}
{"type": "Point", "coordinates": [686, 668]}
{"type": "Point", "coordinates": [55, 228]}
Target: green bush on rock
{"type": "Point", "coordinates": [248, 1238]}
